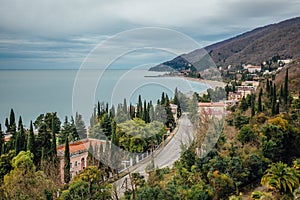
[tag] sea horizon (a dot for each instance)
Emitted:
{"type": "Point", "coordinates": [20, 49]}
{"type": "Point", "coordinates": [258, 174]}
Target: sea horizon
{"type": "Point", "coordinates": [31, 92]}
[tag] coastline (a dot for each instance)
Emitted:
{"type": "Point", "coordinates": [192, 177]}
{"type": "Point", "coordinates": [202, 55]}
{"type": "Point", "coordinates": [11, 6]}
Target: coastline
{"type": "Point", "coordinates": [211, 83]}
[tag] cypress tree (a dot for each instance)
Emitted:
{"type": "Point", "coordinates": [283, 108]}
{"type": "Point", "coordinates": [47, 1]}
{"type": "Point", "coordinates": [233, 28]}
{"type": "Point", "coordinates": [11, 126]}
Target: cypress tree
{"type": "Point", "coordinates": [281, 92]}
{"type": "Point", "coordinates": [259, 107]}
{"type": "Point", "coordinates": [268, 87]}
{"type": "Point", "coordinates": [12, 122]}
{"type": "Point", "coordinates": [139, 113]}
{"type": "Point", "coordinates": [53, 143]}
{"type": "Point", "coordinates": [125, 106]}
{"type": "Point", "coordinates": [252, 105]}
{"type": "Point", "coordinates": [277, 108]}
{"type": "Point", "coordinates": [286, 89]}
{"type": "Point", "coordinates": [7, 124]}
{"type": "Point", "coordinates": [132, 111]}
{"type": "Point", "coordinates": [112, 112]}
{"type": "Point", "coordinates": [145, 112]}
{"type": "Point", "coordinates": [80, 126]}
{"type": "Point", "coordinates": [20, 123]}
{"type": "Point", "coordinates": [106, 108]}
{"type": "Point", "coordinates": [98, 111]}
{"type": "Point", "coordinates": [30, 140]}
{"type": "Point", "coordinates": [12, 127]}
{"type": "Point", "coordinates": [1, 138]}
{"type": "Point", "coordinates": [17, 145]}
{"type": "Point", "coordinates": [176, 102]}
{"type": "Point", "coordinates": [151, 112]}
{"type": "Point", "coordinates": [274, 100]}
{"type": "Point", "coordinates": [170, 117]}
{"type": "Point", "coordinates": [20, 144]}
{"type": "Point", "coordinates": [243, 104]}
{"type": "Point", "coordinates": [163, 99]}
{"type": "Point", "coordinates": [67, 175]}
{"type": "Point", "coordinates": [114, 139]}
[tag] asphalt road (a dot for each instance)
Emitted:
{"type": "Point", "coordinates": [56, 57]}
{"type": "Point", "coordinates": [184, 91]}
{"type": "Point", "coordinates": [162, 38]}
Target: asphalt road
{"type": "Point", "coordinates": [164, 157]}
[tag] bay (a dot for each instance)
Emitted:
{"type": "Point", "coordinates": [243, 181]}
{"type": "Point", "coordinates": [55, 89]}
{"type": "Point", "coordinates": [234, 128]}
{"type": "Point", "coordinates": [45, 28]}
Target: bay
{"type": "Point", "coordinates": [33, 92]}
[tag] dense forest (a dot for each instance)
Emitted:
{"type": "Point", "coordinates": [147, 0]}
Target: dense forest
{"type": "Point", "coordinates": [256, 156]}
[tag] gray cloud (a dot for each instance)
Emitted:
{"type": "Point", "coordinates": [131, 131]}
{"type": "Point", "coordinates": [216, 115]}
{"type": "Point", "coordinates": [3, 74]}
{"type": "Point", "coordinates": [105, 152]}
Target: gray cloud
{"type": "Point", "coordinates": [68, 30]}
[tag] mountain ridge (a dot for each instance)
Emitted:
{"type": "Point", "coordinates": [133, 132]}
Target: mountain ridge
{"type": "Point", "coordinates": [255, 47]}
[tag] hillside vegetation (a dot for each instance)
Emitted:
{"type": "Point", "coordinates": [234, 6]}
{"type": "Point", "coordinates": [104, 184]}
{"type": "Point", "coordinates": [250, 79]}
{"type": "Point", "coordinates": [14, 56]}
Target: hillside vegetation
{"type": "Point", "coordinates": [254, 47]}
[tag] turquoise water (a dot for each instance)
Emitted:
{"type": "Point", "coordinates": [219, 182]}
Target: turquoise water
{"type": "Point", "coordinates": [32, 92]}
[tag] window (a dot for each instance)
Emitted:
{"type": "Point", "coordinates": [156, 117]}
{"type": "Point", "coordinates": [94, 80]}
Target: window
{"type": "Point", "coordinates": [75, 163]}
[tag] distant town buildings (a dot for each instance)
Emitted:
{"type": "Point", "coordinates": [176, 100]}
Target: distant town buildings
{"type": "Point", "coordinates": [216, 109]}
{"type": "Point", "coordinates": [252, 68]}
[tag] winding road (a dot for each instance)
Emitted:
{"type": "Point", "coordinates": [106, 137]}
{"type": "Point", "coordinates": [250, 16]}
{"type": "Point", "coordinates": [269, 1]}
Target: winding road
{"type": "Point", "coordinates": [165, 156]}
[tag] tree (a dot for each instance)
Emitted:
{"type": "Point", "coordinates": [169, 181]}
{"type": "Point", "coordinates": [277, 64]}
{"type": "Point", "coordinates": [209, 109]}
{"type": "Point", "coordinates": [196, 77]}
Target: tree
{"type": "Point", "coordinates": [80, 126]}
{"type": "Point", "coordinates": [259, 106]}
{"type": "Point", "coordinates": [12, 128]}
{"type": "Point", "coordinates": [24, 182]}
{"type": "Point", "coordinates": [12, 122]}
{"type": "Point", "coordinates": [243, 104]}
{"type": "Point", "coordinates": [67, 166]}
{"type": "Point", "coordinates": [170, 118]}
{"type": "Point", "coordinates": [131, 111]}
{"type": "Point", "coordinates": [281, 178]}
{"type": "Point", "coordinates": [6, 125]}
{"type": "Point", "coordinates": [20, 143]}
{"type": "Point", "coordinates": [87, 185]}
{"type": "Point", "coordinates": [30, 140]}
{"type": "Point", "coordinates": [74, 134]}
{"type": "Point", "coordinates": [47, 119]}
{"type": "Point", "coordinates": [246, 134]}
{"type": "Point", "coordinates": [1, 138]}
{"type": "Point", "coordinates": [43, 140]}
{"type": "Point", "coordinates": [252, 105]}
{"type": "Point", "coordinates": [66, 131]}
{"type": "Point", "coordinates": [176, 102]}
{"type": "Point", "coordinates": [53, 143]}
{"type": "Point", "coordinates": [286, 89]}
{"type": "Point", "coordinates": [139, 113]}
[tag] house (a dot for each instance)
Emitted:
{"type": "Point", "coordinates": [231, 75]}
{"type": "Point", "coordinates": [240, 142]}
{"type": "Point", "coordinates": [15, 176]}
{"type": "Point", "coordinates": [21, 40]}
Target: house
{"type": "Point", "coordinates": [78, 155]}
{"type": "Point", "coordinates": [250, 83]}
{"type": "Point", "coordinates": [252, 68]}
{"type": "Point", "coordinates": [246, 90]}
{"type": "Point", "coordinates": [216, 109]}
{"type": "Point", "coordinates": [286, 61]}
{"type": "Point", "coordinates": [235, 96]}
{"type": "Point", "coordinates": [231, 103]}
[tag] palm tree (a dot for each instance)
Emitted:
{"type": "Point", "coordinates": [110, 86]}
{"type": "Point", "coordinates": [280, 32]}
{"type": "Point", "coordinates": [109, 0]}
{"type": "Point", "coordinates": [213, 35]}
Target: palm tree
{"type": "Point", "coordinates": [297, 194]}
{"type": "Point", "coordinates": [280, 177]}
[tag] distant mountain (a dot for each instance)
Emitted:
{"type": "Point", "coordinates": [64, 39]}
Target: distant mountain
{"type": "Point", "coordinates": [253, 47]}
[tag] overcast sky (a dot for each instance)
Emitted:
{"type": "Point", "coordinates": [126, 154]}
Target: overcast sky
{"type": "Point", "coordinates": [60, 34]}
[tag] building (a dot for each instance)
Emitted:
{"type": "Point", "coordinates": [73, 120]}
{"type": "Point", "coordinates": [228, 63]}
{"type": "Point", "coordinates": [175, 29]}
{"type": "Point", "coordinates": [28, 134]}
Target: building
{"type": "Point", "coordinates": [78, 155]}
{"type": "Point", "coordinates": [216, 109]}
{"type": "Point", "coordinates": [246, 90]}
{"type": "Point", "coordinates": [231, 102]}
{"type": "Point", "coordinates": [235, 96]}
{"type": "Point", "coordinates": [250, 83]}
{"type": "Point", "coordinates": [252, 68]}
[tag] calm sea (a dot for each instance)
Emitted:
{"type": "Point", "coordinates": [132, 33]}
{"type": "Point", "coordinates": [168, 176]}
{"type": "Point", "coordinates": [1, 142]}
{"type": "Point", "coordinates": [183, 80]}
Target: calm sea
{"type": "Point", "coordinates": [32, 92]}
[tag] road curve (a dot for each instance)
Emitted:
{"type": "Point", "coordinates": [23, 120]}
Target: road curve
{"type": "Point", "coordinates": [166, 156]}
